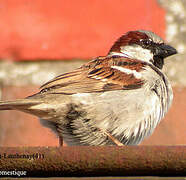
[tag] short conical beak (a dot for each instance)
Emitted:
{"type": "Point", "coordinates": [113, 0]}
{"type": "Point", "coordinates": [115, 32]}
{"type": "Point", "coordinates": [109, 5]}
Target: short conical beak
{"type": "Point", "coordinates": [166, 50]}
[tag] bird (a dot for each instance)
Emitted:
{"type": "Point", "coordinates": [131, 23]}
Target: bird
{"type": "Point", "coordinates": [117, 99]}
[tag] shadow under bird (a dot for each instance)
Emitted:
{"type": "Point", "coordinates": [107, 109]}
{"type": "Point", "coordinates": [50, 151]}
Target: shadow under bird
{"type": "Point", "coordinates": [117, 99]}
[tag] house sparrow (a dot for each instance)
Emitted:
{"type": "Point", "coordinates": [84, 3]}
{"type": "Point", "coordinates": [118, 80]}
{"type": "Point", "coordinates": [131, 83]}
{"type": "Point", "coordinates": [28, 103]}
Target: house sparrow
{"type": "Point", "coordinates": [116, 99]}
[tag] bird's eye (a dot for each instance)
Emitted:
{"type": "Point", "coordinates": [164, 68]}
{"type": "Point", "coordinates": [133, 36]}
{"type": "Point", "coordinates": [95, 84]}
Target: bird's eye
{"type": "Point", "coordinates": [146, 42]}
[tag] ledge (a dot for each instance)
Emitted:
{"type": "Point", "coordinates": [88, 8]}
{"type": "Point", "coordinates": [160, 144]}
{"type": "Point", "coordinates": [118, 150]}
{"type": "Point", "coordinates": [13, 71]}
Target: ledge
{"type": "Point", "coordinates": [95, 161]}
{"type": "Point", "coordinates": [39, 72]}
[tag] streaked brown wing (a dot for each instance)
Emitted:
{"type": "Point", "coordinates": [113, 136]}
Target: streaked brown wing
{"type": "Point", "coordinates": [95, 76]}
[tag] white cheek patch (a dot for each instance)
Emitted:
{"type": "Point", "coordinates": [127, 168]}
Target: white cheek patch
{"type": "Point", "coordinates": [137, 52]}
{"type": "Point", "coordinates": [128, 71]}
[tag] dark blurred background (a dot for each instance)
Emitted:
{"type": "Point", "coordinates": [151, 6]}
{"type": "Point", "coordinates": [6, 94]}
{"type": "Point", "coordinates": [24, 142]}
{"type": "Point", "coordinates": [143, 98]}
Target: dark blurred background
{"type": "Point", "coordinates": [41, 39]}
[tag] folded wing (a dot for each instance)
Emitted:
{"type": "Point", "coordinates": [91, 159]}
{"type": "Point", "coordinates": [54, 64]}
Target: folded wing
{"type": "Point", "coordinates": [101, 74]}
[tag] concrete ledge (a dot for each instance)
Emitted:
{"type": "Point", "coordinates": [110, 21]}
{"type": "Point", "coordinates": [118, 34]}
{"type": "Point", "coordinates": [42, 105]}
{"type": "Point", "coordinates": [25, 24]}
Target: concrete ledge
{"type": "Point", "coordinates": [34, 73]}
{"type": "Point", "coordinates": [95, 161]}
{"type": "Point", "coordinates": [37, 73]}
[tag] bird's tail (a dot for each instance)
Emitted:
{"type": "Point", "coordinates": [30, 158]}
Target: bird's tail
{"type": "Point", "coordinates": [18, 104]}
{"type": "Point", "coordinates": [26, 105]}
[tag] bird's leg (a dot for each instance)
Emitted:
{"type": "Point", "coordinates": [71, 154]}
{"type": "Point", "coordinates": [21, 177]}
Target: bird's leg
{"type": "Point", "coordinates": [118, 143]}
{"type": "Point", "coordinates": [60, 141]}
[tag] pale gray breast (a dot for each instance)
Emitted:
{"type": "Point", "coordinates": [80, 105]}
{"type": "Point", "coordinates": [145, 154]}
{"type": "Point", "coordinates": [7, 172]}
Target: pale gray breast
{"type": "Point", "coordinates": [129, 115]}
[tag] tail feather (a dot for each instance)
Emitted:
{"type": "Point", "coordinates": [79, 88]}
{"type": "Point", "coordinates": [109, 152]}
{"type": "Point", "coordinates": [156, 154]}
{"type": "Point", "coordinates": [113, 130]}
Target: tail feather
{"type": "Point", "coordinates": [19, 104]}
{"type": "Point", "coordinates": [37, 105]}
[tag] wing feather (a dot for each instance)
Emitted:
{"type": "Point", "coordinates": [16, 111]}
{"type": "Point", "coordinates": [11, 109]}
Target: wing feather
{"type": "Point", "coordinates": [97, 76]}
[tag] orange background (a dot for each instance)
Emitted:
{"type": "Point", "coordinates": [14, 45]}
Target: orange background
{"type": "Point", "coordinates": [67, 29]}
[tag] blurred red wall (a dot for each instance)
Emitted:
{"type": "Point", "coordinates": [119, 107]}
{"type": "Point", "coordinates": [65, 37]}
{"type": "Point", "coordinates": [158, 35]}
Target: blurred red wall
{"type": "Point", "coordinates": [66, 29]}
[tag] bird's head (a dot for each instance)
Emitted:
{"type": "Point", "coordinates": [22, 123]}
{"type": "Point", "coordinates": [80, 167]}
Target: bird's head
{"type": "Point", "coordinates": [143, 45]}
